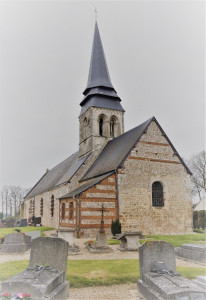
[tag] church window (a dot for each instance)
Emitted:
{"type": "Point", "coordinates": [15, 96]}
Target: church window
{"type": "Point", "coordinates": [63, 211]}
{"type": "Point", "coordinates": [31, 207]}
{"type": "Point", "coordinates": [71, 211]}
{"type": "Point", "coordinates": [101, 121]}
{"type": "Point", "coordinates": [52, 206]}
{"type": "Point", "coordinates": [41, 207]}
{"type": "Point", "coordinates": [112, 126]}
{"type": "Point", "coordinates": [157, 194]}
{"type": "Point", "coordinates": [85, 121]}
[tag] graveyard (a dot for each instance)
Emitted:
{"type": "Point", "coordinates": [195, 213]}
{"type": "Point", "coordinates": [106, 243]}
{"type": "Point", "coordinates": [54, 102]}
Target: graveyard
{"type": "Point", "coordinates": [85, 271]}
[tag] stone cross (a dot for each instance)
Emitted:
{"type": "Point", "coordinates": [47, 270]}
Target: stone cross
{"type": "Point", "coordinates": [102, 220]}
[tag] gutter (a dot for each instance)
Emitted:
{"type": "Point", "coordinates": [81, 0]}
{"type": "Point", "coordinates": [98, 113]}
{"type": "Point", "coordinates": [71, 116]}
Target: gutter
{"type": "Point", "coordinates": [77, 225]}
{"type": "Point", "coordinates": [117, 193]}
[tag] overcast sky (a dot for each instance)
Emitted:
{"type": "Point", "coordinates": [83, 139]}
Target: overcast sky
{"type": "Point", "coordinates": [155, 55]}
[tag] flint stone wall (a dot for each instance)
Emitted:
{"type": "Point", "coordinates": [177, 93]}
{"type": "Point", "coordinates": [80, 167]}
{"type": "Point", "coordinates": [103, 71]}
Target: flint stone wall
{"type": "Point", "coordinates": [153, 159]}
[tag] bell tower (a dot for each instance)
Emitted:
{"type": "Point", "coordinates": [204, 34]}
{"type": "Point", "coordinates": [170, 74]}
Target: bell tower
{"type": "Point", "coordinates": [102, 116]}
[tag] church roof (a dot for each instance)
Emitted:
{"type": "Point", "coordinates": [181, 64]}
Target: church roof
{"type": "Point", "coordinates": [60, 174]}
{"type": "Point", "coordinates": [85, 186]}
{"type": "Point", "coordinates": [116, 151]}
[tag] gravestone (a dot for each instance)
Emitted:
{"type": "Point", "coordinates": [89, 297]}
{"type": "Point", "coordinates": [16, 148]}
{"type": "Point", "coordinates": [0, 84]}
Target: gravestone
{"type": "Point", "coordinates": [129, 241]}
{"type": "Point", "coordinates": [9, 223]}
{"type": "Point", "coordinates": [67, 234]}
{"type": "Point", "coordinates": [16, 243]}
{"type": "Point", "coordinates": [21, 223]}
{"type": "Point", "coordinates": [33, 234]}
{"type": "Point", "coordinates": [194, 252]}
{"type": "Point", "coordinates": [46, 274]}
{"type": "Point", "coordinates": [158, 277]}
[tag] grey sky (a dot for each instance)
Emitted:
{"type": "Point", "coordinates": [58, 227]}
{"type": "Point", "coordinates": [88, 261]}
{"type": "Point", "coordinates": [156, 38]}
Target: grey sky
{"type": "Point", "coordinates": [155, 55]}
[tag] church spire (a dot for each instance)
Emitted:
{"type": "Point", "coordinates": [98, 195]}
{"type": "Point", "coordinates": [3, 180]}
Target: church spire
{"type": "Point", "coordinates": [98, 72]}
{"type": "Point", "coordinates": [99, 91]}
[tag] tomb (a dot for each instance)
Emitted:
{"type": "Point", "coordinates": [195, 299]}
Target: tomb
{"type": "Point", "coordinates": [33, 234]}
{"type": "Point", "coordinates": [158, 277]}
{"type": "Point", "coordinates": [194, 252]}
{"type": "Point", "coordinates": [129, 241]}
{"type": "Point", "coordinates": [45, 278]}
{"type": "Point", "coordinates": [16, 243]}
{"type": "Point", "coordinates": [67, 234]}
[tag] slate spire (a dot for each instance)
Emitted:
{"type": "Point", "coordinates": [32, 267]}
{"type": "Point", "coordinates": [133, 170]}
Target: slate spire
{"type": "Point", "coordinates": [98, 72]}
{"type": "Point", "coordinates": [99, 91]}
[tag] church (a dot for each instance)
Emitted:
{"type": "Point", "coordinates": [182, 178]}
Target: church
{"type": "Point", "coordinates": [136, 176]}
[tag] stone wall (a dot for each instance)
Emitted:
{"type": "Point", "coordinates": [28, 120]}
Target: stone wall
{"type": "Point", "coordinates": [89, 138]}
{"type": "Point", "coordinates": [153, 159]}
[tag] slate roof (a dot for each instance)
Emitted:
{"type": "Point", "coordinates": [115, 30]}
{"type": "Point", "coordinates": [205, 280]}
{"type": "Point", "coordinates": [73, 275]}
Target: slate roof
{"type": "Point", "coordinates": [99, 91]}
{"type": "Point", "coordinates": [60, 174]}
{"type": "Point", "coordinates": [98, 72]}
{"type": "Point", "coordinates": [116, 151]}
{"type": "Point", "coordinates": [85, 186]}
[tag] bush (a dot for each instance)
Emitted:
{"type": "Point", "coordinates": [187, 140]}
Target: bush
{"type": "Point", "coordinates": [199, 219]}
{"type": "Point", "coordinates": [116, 227]}
{"type": "Point", "coordinates": [195, 219]}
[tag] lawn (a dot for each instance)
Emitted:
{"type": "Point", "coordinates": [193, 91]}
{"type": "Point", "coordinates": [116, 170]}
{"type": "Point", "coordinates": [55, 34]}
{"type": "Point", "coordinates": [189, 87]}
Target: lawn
{"type": "Point", "coordinates": [4, 231]}
{"type": "Point", "coordinates": [84, 273]}
{"type": "Point", "coordinates": [179, 239]}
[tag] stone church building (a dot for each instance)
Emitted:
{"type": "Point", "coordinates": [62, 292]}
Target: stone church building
{"type": "Point", "coordinates": [138, 176]}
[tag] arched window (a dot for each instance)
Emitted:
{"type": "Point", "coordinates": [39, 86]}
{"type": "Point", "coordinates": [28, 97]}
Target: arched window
{"type": "Point", "coordinates": [52, 206]}
{"type": "Point", "coordinates": [63, 211]}
{"type": "Point", "coordinates": [112, 125]}
{"type": "Point", "coordinates": [41, 207]}
{"type": "Point", "coordinates": [31, 207]}
{"type": "Point", "coordinates": [71, 210]}
{"type": "Point", "coordinates": [101, 121]}
{"type": "Point", "coordinates": [157, 194]}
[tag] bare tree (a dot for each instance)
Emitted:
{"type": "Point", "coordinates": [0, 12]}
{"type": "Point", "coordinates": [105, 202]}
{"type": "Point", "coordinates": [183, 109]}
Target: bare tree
{"type": "Point", "coordinates": [197, 165]}
{"type": "Point", "coordinates": [11, 199]}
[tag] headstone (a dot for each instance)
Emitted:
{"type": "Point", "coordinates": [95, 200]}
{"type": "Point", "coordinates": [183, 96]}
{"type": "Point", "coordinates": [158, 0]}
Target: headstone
{"type": "Point", "coordinates": [67, 235]}
{"type": "Point", "coordinates": [129, 241]}
{"type": "Point", "coordinates": [45, 276]}
{"type": "Point", "coordinates": [158, 277]}
{"type": "Point", "coordinates": [21, 223]}
{"type": "Point", "coordinates": [16, 243]}
{"type": "Point", "coordinates": [194, 252]}
{"type": "Point", "coordinates": [9, 223]}
{"type": "Point", "coordinates": [33, 234]}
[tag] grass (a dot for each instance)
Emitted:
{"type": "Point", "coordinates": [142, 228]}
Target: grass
{"type": "Point", "coordinates": [4, 231]}
{"type": "Point", "coordinates": [177, 240]}
{"type": "Point", "coordinates": [85, 273]}
{"type": "Point", "coordinates": [110, 242]}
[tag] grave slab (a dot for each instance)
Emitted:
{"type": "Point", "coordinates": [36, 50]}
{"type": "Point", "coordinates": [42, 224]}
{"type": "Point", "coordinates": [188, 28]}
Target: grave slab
{"type": "Point", "coordinates": [129, 241]}
{"type": "Point", "coordinates": [193, 252]}
{"type": "Point", "coordinates": [34, 234]}
{"type": "Point", "coordinates": [16, 243]}
{"type": "Point", "coordinates": [45, 276]}
{"type": "Point", "coordinates": [158, 277]}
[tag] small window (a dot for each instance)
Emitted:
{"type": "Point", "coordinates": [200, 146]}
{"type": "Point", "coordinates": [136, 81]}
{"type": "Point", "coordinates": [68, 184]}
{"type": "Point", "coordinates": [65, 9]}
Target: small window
{"type": "Point", "coordinates": [41, 207]}
{"type": "Point", "coordinates": [101, 121]}
{"type": "Point", "coordinates": [85, 121]}
{"type": "Point", "coordinates": [63, 211]}
{"type": "Point", "coordinates": [112, 124]}
{"type": "Point", "coordinates": [52, 206]}
{"type": "Point", "coordinates": [157, 194]}
{"type": "Point", "coordinates": [71, 211]}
